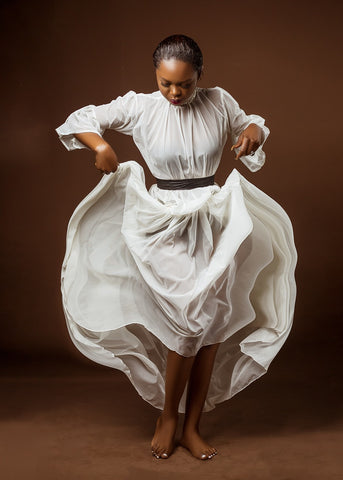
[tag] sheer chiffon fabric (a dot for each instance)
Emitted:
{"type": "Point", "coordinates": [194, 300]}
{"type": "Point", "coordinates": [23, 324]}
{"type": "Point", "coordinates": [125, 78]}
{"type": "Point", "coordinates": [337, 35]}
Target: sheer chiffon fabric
{"type": "Point", "coordinates": [147, 271]}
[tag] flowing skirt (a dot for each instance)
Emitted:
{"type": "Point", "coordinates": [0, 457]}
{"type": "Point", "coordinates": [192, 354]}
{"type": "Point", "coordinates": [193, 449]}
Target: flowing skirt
{"type": "Point", "coordinates": [147, 271]}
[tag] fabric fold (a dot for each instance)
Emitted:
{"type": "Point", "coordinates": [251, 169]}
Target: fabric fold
{"type": "Point", "coordinates": [147, 271]}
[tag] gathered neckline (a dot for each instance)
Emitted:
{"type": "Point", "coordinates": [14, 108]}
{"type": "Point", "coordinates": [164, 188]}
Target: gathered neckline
{"type": "Point", "coordinates": [189, 101]}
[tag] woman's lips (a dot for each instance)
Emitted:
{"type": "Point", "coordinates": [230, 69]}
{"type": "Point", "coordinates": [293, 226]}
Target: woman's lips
{"type": "Point", "coordinates": [175, 101]}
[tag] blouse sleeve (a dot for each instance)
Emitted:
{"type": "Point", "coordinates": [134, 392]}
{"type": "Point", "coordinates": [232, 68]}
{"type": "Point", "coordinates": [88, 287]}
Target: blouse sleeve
{"type": "Point", "coordinates": [238, 121]}
{"type": "Point", "coordinates": [119, 114]}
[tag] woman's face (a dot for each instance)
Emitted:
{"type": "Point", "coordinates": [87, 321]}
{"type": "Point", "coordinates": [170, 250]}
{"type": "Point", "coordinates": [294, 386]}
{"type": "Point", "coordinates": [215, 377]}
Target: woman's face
{"type": "Point", "coordinates": [176, 80]}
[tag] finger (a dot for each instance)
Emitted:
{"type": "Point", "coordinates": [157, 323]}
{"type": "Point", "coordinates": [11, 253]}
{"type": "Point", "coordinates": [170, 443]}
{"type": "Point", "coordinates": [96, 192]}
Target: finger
{"type": "Point", "coordinates": [252, 147]}
{"type": "Point", "coordinates": [238, 143]}
{"type": "Point", "coordinates": [255, 145]}
{"type": "Point", "coordinates": [243, 149]}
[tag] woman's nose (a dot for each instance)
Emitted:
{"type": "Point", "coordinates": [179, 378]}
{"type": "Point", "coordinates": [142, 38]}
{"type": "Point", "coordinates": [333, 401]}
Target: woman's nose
{"type": "Point", "coordinates": [175, 91]}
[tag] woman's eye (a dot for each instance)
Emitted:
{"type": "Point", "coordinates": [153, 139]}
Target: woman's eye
{"type": "Point", "coordinates": [167, 85]}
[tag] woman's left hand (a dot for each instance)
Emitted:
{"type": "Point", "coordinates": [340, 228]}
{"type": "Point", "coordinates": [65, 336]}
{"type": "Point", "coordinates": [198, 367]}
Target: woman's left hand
{"type": "Point", "coordinates": [249, 140]}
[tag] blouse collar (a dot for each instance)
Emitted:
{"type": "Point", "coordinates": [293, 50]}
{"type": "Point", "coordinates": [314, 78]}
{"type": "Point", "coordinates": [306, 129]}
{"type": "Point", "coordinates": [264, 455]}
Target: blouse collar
{"type": "Point", "coordinates": [188, 102]}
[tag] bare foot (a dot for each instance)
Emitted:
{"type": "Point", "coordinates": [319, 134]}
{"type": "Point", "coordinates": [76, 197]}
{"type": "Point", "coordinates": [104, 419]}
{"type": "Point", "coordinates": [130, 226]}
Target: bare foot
{"type": "Point", "coordinates": [162, 444]}
{"type": "Point", "coordinates": [192, 440]}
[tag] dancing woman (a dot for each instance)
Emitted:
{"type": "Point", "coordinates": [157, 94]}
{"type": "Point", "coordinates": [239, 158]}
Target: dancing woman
{"type": "Point", "coordinates": [187, 288]}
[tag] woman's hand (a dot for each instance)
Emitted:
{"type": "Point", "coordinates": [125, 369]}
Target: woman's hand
{"type": "Point", "coordinates": [106, 159]}
{"type": "Point", "coordinates": [249, 140]}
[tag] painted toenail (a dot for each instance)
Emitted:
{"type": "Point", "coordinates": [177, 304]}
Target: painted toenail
{"type": "Point", "coordinates": [203, 456]}
{"type": "Point", "coordinates": [164, 455]}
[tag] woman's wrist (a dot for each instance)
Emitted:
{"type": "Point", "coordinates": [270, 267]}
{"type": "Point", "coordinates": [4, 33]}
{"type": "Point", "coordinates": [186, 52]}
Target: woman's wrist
{"type": "Point", "coordinates": [93, 141]}
{"type": "Point", "coordinates": [102, 147]}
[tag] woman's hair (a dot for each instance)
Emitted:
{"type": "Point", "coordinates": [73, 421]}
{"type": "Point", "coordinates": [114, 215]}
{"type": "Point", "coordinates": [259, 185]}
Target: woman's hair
{"type": "Point", "coordinates": [179, 47]}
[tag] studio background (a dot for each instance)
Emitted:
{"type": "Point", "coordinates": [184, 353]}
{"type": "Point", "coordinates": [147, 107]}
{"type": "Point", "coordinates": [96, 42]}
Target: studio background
{"type": "Point", "coordinates": [281, 60]}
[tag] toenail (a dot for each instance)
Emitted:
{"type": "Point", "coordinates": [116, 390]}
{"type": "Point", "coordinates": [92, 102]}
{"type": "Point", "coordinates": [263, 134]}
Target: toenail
{"type": "Point", "coordinates": [203, 456]}
{"type": "Point", "coordinates": [164, 455]}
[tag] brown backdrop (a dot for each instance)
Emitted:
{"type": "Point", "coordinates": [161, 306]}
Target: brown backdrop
{"type": "Point", "coordinates": [278, 59]}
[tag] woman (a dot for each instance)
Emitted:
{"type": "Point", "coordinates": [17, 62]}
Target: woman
{"type": "Point", "coordinates": [187, 283]}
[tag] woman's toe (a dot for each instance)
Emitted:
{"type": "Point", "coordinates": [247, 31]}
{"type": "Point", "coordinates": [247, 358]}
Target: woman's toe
{"type": "Point", "coordinates": [161, 451]}
{"type": "Point", "coordinates": [164, 455]}
{"type": "Point", "coordinates": [215, 452]}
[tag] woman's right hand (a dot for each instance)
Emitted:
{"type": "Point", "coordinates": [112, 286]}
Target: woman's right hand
{"type": "Point", "coordinates": [106, 159]}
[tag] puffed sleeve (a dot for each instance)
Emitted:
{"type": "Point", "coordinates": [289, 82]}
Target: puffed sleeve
{"type": "Point", "coordinates": [238, 121]}
{"type": "Point", "coordinates": [120, 114]}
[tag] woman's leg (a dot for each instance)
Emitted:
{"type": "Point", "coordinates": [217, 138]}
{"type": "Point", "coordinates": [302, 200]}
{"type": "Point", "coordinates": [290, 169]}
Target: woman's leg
{"type": "Point", "coordinates": [177, 374]}
{"type": "Point", "coordinates": [196, 395]}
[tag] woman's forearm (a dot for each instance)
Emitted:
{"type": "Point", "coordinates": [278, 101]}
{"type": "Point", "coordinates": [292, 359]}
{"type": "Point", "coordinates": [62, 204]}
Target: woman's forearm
{"type": "Point", "coordinates": [92, 140]}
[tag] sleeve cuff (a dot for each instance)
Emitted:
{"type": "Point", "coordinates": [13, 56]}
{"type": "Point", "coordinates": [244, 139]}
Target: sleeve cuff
{"type": "Point", "coordinates": [81, 121]}
{"type": "Point", "coordinates": [70, 141]}
{"type": "Point", "coordinates": [255, 162]}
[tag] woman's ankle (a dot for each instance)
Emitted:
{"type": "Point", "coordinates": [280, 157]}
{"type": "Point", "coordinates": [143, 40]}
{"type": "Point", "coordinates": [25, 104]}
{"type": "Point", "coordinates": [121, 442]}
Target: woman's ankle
{"type": "Point", "coordinates": [169, 415]}
{"type": "Point", "coordinates": [190, 428]}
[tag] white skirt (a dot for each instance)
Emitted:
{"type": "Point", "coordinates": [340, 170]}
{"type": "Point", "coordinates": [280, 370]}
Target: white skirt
{"type": "Point", "coordinates": [147, 271]}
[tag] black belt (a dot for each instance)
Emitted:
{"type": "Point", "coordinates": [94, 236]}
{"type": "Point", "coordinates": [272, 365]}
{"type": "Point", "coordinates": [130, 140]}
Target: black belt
{"type": "Point", "coordinates": [185, 183]}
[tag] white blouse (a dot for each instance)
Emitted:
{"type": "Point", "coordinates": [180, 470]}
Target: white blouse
{"type": "Point", "coordinates": [176, 141]}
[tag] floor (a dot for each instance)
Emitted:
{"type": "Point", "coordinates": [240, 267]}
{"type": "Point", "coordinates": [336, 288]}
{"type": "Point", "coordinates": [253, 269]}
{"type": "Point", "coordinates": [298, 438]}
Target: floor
{"type": "Point", "coordinates": [72, 419]}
